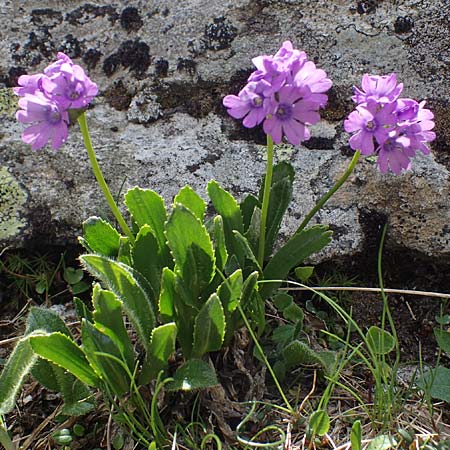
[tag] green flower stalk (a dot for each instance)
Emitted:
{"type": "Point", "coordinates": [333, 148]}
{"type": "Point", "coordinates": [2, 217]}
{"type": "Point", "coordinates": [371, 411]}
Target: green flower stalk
{"type": "Point", "coordinates": [100, 179]}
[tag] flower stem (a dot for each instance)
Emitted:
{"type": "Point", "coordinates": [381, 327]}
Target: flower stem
{"type": "Point", "coordinates": [265, 201]}
{"type": "Point", "coordinates": [99, 176]}
{"type": "Point", "coordinates": [327, 196]}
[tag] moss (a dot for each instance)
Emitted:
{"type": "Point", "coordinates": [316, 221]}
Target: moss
{"type": "Point", "coordinates": [12, 199]}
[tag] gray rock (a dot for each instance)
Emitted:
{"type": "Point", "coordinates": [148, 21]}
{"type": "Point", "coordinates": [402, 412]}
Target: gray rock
{"type": "Point", "coordinates": [162, 69]}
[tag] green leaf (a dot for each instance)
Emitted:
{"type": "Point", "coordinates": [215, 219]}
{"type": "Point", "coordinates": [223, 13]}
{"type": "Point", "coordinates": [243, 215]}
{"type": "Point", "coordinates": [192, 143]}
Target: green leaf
{"type": "Point", "coordinates": [304, 273]}
{"type": "Point", "coordinates": [124, 255]}
{"type": "Point", "coordinates": [209, 329]}
{"type": "Point", "coordinates": [80, 287]}
{"type": "Point", "coordinates": [108, 320]}
{"type": "Point", "coordinates": [280, 197]}
{"type": "Point", "coordinates": [62, 351]}
{"type": "Point", "coordinates": [128, 287]}
{"type": "Point", "coordinates": [218, 237]}
{"type": "Point", "coordinates": [17, 367]}
{"type": "Point", "coordinates": [319, 422]}
{"type": "Point", "coordinates": [192, 201]}
{"type": "Point", "coordinates": [82, 310]}
{"type": "Point", "coordinates": [225, 204]}
{"type": "Point", "coordinates": [167, 295]}
{"type": "Point", "coordinates": [383, 442]}
{"type": "Point", "coordinates": [230, 291]}
{"type": "Point", "coordinates": [193, 374]}
{"type": "Point", "coordinates": [45, 319]}
{"type": "Point", "coordinates": [192, 249]}
{"type": "Point", "coordinates": [356, 436]}
{"type": "Point", "coordinates": [437, 383]}
{"type": "Point", "coordinates": [147, 208]}
{"type": "Point", "coordinates": [293, 313]}
{"type": "Point", "coordinates": [101, 237]}
{"type": "Point", "coordinates": [247, 208]}
{"type": "Point", "coordinates": [282, 300]}
{"type": "Point", "coordinates": [443, 339]}
{"type": "Point", "coordinates": [253, 230]}
{"type": "Point", "coordinates": [72, 275]}
{"type": "Point", "coordinates": [96, 346]}
{"type": "Point", "coordinates": [298, 352]}
{"type": "Point", "coordinates": [162, 346]}
{"type": "Point", "coordinates": [245, 253]}
{"type": "Point", "coordinates": [299, 247]}
{"type": "Point", "coordinates": [146, 258]}
{"type": "Point", "coordinates": [380, 341]}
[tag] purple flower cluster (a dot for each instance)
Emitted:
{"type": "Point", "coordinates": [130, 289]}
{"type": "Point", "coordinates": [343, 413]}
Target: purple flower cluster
{"type": "Point", "coordinates": [391, 127]}
{"type": "Point", "coordinates": [46, 99]}
{"type": "Point", "coordinates": [284, 93]}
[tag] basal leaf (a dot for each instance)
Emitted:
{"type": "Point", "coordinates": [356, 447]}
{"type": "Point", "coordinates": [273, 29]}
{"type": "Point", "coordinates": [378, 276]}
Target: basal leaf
{"type": "Point", "coordinates": [101, 237]}
{"type": "Point", "coordinates": [45, 319]}
{"type": "Point", "coordinates": [167, 295]}
{"type": "Point", "coordinates": [128, 288]}
{"type": "Point", "coordinates": [96, 346]}
{"type": "Point", "coordinates": [209, 330]}
{"type": "Point", "coordinates": [193, 374]}
{"type": "Point", "coordinates": [109, 320]}
{"type": "Point", "coordinates": [147, 208]}
{"type": "Point", "coordinates": [191, 248]}
{"type": "Point", "coordinates": [15, 370]}
{"type": "Point", "coordinates": [226, 205]}
{"type": "Point", "coordinates": [280, 198]}
{"type": "Point", "coordinates": [62, 351]}
{"type": "Point", "coordinates": [380, 341]}
{"type": "Point", "coordinates": [230, 291]}
{"type": "Point", "coordinates": [218, 237]}
{"type": "Point", "coordinates": [443, 339]}
{"type": "Point", "coordinates": [290, 255]}
{"type": "Point", "coordinates": [437, 383]}
{"type": "Point", "coordinates": [162, 346]}
{"type": "Point", "coordinates": [146, 259]}
{"type": "Point", "coordinates": [356, 436]}
{"type": "Point", "coordinates": [247, 208]}
{"type": "Point", "coordinates": [319, 422]}
{"type": "Point", "coordinates": [191, 200]}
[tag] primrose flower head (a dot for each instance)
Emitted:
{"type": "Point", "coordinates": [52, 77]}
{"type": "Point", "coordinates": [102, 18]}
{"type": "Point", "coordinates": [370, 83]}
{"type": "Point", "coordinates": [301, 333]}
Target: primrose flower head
{"type": "Point", "coordinates": [47, 98]}
{"type": "Point", "coordinates": [390, 127]}
{"type": "Point", "coordinates": [284, 93]}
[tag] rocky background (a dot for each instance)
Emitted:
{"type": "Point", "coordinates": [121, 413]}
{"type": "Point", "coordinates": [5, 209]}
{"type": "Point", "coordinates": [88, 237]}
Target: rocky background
{"type": "Point", "coordinates": [163, 67]}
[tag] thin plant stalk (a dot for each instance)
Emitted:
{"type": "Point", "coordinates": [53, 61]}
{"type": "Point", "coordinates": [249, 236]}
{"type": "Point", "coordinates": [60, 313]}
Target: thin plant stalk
{"type": "Point", "coordinates": [265, 201]}
{"type": "Point", "coordinates": [99, 176]}
{"type": "Point", "coordinates": [386, 313]}
{"type": "Point", "coordinates": [331, 192]}
{"type": "Point", "coordinates": [290, 409]}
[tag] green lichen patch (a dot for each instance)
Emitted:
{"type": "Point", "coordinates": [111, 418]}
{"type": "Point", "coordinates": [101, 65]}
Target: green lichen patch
{"type": "Point", "coordinates": [8, 102]}
{"type": "Point", "coordinates": [12, 200]}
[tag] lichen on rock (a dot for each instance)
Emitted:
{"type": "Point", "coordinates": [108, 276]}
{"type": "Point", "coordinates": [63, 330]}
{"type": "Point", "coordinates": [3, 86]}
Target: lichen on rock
{"type": "Point", "coordinates": [12, 200]}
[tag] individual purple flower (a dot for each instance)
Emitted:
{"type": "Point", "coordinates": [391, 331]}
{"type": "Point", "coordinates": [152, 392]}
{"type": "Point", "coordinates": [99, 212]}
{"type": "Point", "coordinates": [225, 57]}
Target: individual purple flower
{"type": "Point", "coordinates": [71, 86]}
{"type": "Point", "coordinates": [291, 112]}
{"type": "Point", "coordinates": [29, 84]}
{"type": "Point", "coordinates": [48, 118]}
{"type": "Point", "coordinates": [370, 121]}
{"type": "Point", "coordinates": [250, 104]}
{"type": "Point", "coordinates": [392, 155]}
{"type": "Point", "coordinates": [316, 80]}
{"type": "Point", "coordinates": [379, 88]}
{"type": "Point", "coordinates": [55, 67]}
